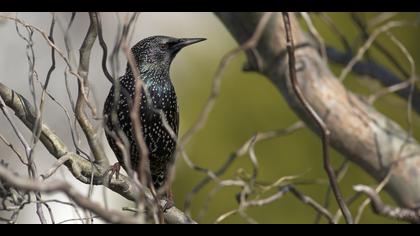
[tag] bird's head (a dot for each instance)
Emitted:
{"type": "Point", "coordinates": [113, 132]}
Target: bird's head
{"type": "Point", "coordinates": [160, 49]}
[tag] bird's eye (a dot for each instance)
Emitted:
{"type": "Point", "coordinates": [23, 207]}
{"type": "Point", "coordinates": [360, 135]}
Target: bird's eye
{"type": "Point", "coordinates": [163, 46]}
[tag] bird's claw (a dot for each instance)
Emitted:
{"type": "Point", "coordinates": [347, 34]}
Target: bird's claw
{"type": "Point", "coordinates": [168, 205]}
{"type": "Point", "coordinates": [115, 169]}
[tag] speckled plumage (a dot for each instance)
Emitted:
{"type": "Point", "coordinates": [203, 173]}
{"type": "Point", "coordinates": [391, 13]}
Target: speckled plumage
{"type": "Point", "coordinates": [153, 56]}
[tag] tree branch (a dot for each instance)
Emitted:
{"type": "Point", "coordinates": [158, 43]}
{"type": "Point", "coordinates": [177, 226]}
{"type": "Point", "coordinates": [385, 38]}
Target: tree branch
{"type": "Point", "coordinates": [358, 131]}
{"type": "Point", "coordinates": [59, 186]}
{"type": "Point", "coordinates": [91, 133]}
{"type": "Point", "coordinates": [81, 168]}
{"type": "Point", "coordinates": [404, 214]}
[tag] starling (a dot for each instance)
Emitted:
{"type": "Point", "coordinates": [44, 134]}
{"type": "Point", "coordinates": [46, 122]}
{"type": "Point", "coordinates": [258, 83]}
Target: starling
{"type": "Point", "coordinates": [153, 56]}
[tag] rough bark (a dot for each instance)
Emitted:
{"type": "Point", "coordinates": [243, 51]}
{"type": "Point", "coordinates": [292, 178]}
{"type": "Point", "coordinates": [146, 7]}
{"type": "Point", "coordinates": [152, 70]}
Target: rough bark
{"type": "Point", "coordinates": [358, 131]}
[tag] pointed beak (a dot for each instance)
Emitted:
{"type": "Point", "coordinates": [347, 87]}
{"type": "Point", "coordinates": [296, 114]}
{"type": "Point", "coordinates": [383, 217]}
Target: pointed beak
{"type": "Point", "coordinates": [181, 43]}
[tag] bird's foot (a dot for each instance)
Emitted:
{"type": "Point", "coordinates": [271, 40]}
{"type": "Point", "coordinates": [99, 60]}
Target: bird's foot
{"type": "Point", "coordinates": [169, 201]}
{"type": "Point", "coordinates": [168, 205]}
{"type": "Point", "coordinates": [115, 169]}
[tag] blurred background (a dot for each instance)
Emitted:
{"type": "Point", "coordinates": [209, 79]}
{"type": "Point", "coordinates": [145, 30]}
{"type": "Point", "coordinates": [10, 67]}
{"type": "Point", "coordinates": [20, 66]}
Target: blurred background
{"type": "Point", "coordinates": [248, 103]}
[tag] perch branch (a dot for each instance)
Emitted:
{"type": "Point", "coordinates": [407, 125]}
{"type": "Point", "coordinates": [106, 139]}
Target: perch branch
{"type": "Point", "coordinates": [81, 168]}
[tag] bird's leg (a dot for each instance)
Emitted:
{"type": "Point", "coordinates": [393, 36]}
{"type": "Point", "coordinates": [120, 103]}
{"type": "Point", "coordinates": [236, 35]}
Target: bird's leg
{"type": "Point", "coordinates": [115, 169]}
{"type": "Point", "coordinates": [169, 199]}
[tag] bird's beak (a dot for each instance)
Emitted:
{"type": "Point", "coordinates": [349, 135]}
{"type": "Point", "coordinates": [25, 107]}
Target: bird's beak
{"type": "Point", "coordinates": [185, 42]}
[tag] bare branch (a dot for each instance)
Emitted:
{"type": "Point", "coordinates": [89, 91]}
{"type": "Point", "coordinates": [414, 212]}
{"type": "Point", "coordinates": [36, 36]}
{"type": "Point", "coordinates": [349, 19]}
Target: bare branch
{"type": "Point", "coordinates": [362, 50]}
{"type": "Point", "coordinates": [81, 168]}
{"type": "Point", "coordinates": [56, 165]}
{"type": "Point", "coordinates": [404, 214]}
{"type": "Point", "coordinates": [232, 157]}
{"type": "Point", "coordinates": [340, 173]}
{"type": "Point", "coordinates": [5, 141]}
{"type": "Point", "coordinates": [90, 131]}
{"type": "Point", "coordinates": [278, 195]}
{"type": "Point", "coordinates": [248, 45]}
{"type": "Point", "coordinates": [59, 186]}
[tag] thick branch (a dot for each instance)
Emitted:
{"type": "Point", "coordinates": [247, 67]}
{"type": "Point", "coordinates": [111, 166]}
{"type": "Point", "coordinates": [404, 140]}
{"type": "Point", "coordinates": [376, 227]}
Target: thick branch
{"type": "Point", "coordinates": [362, 134]}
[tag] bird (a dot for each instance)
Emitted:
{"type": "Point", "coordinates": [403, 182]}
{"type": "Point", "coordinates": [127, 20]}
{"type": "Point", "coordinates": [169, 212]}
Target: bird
{"type": "Point", "coordinates": [153, 57]}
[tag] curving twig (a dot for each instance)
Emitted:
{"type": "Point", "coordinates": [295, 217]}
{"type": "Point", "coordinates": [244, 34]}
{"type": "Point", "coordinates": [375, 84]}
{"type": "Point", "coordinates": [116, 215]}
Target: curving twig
{"type": "Point", "coordinates": [318, 120]}
{"type": "Point", "coordinates": [404, 214]}
{"type": "Point", "coordinates": [59, 186]}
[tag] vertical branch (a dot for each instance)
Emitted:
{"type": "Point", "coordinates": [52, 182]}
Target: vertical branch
{"type": "Point", "coordinates": [32, 74]}
{"type": "Point", "coordinates": [90, 132]}
{"type": "Point", "coordinates": [341, 171]}
{"type": "Point", "coordinates": [117, 134]}
{"type": "Point", "coordinates": [104, 48]}
{"type": "Point", "coordinates": [334, 29]}
{"type": "Point", "coordinates": [316, 35]}
{"type": "Point", "coordinates": [140, 93]}
{"type": "Point", "coordinates": [45, 86]}
{"type": "Point", "coordinates": [318, 120]}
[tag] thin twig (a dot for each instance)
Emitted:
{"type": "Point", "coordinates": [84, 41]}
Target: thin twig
{"type": "Point", "coordinates": [404, 214]}
{"type": "Point", "coordinates": [59, 186]}
{"type": "Point", "coordinates": [316, 35]}
{"type": "Point", "coordinates": [330, 23]}
{"type": "Point", "coordinates": [362, 50]}
{"type": "Point", "coordinates": [380, 18]}
{"type": "Point", "coordinates": [200, 122]}
{"type": "Point", "coordinates": [232, 157]}
{"type": "Point", "coordinates": [342, 170]}
{"type": "Point", "coordinates": [318, 120]}
{"type": "Point", "coordinates": [144, 174]}
{"type": "Point", "coordinates": [378, 72]}
{"type": "Point", "coordinates": [250, 43]}
{"type": "Point", "coordinates": [56, 165]}
{"type": "Point", "coordinates": [386, 53]}
{"type": "Point", "coordinates": [10, 145]}
{"type": "Point", "coordinates": [278, 195]}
